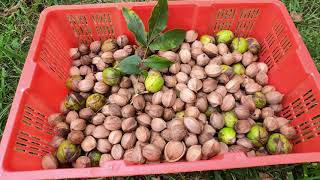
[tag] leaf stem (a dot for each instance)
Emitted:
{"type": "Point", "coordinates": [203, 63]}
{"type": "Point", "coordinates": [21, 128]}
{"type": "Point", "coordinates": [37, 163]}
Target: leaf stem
{"type": "Point", "coordinates": [145, 53]}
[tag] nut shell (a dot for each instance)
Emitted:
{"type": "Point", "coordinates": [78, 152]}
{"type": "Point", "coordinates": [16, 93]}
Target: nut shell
{"type": "Point", "coordinates": [174, 151]}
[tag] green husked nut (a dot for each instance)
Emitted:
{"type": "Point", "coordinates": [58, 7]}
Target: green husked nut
{"type": "Point", "coordinates": [225, 36]}
{"type": "Point", "coordinates": [227, 135]}
{"type": "Point", "coordinates": [205, 39]}
{"type": "Point", "coordinates": [154, 82]}
{"type": "Point", "coordinates": [227, 70]}
{"type": "Point", "coordinates": [258, 135]}
{"type": "Point", "coordinates": [260, 100]}
{"type": "Point", "coordinates": [230, 118]}
{"type": "Point", "coordinates": [254, 45]}
{"type": "Point", "coordinates": [109, 45]}
{"type": "Point", "coordinates": [180, 114]}
{"type": "Point", "coordinates": [239, 69]}
{"type": "Point", "coordinates": [68, 152]}
{"type": "Point", "coordinates": [279, 144]}
{"type": "Point", "coordinates": [74, 102]}
{"type": "Point", "coordinates": [240, 45]}
{"type": "Point", "coordinates": [111, 76]}
{"type": "Point", "coordinates": [69, 81]}
{"type": "Point", "coordinates": [96, 101]}
{"type": "Point", "coordinates": [94, 157]}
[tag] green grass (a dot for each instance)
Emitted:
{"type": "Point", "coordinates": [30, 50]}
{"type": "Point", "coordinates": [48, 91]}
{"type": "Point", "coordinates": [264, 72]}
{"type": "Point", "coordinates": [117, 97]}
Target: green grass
{"type": "Point", "coordinates": [17, 23]}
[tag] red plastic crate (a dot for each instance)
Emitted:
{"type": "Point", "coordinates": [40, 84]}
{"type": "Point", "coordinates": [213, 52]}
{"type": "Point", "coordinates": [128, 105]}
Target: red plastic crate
{"type": "Point", "coordinates": [41, 87]}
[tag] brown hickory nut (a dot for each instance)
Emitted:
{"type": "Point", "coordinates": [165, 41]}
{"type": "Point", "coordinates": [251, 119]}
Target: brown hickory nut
{"type": "Point", "coordinates": [191, 36]}
{"type": "Point", "coordinates": [242, 126]}
{"type": "Point", "coordinates": [185, 68]}
{"type": "Point", "coordinates": [49, 161]}
{"type": "Point", "coordinates": [104, 146]}
{"type": "Point", "coordinates": [134, 156]}
{"type": "Point", "coordinates": [101, 87]}
{"type": "Point", "coordinates": [252, 70]}
{"type": "Point", "coordinates": [263, 67]}
{"type": "Point", "coordinates": [166, 134]}
{"type": "Point", "coordinates": [154, 111]}
{"type": "Point", "coordinates": [194, 84]}
{"type": "Point", "coordinates": [222, 48]}
{"type": "Point", "coordinates": [168, 114]}
{"type": "Point", "coordinates": [282, 121]}
{"type": "Point", "coordinates": [74, 53]}
{"type": "Point", "coordinates": [144, 120]}
{"type": "Point", "coordinates": [151, 152]}
{"type": "Point", "coordinates": [98, 119]}
{"type": "Point", "coordinates": [86, 113]}
{"type": "Point", "coordinates": [56, 141]}
{"type": "Point", "coordinates": [129, 124]}
{"type": "Point", "coordinates": [175, 68]}
{"type": "Point", "coordinates": [89, 129]}
{"type": "Point", "coordinates": [182, 77]}
{"type": "Point", "coordinates": [288, 130]}
{"type": "Point", "coordinates": [117, 151]}
{"type": "Point", "coordinates": [71, 116]}
{"type": "Point", "coordinates": [267, 112]}
{"type": "Point", "coordinates": [215, 99]}
{"type": "Point", "coordinates": [169, 98]}
{"type": "Point", "coordinates": [194, 153]}
{"type": "Point", "coordinates": [55, 118]}
{"type": "Point", "coordinates": [198, 72]}
{"type": "Point", "coordinates": [256, 114]}
{"type": "Point", "coordinates": [192, 125]}
{"type": "Point", "coordinates": [268, 88]}
{"type": "Point", "coordinates": [210, 148]}
{"type": "Point", "coordinates": [245, 143]}
{"type": "Point", "coordinates": [210, 49]}
{"type": "Point", "coordinates": [221, 90]}
{"type": "Point", "coordinates": [202, 104]}
{"type": "Point", "coordinates": [262, 78]}
{"type": "Point", "coordinates": [216, 120]}
{"type": "Point", "coordinates": [105, 158]}
{"type": "Point", "coordinates": [248, 102]}
{"type": "Point", "coordinates": [228, 103]}
{"type": "Point", "coordinates": [170, 81]}
{"type": "Point", "coordinates": [78, 124]}
{"type": "Point", "coordinates": [118, 99]}
{"type": "Point", "coordinates": [196, 44]}
{"type": "Point", "coordinates": [274, 97]}
{"type": "Point", "coordinates": [209, 85]}
{"type": "Point", "coordinates": [112, 123]}
{"type": "Point", "coordinates": [247, 58]}
{"type": "Point", "coordinates": [202, 59]}
{"type": "Point", "coordinates": [228, 59]}
{"type": "Point", "coordinates": [76, 137]}
{"type": "Point", "coordinates": [158, 124]}
{"type": "Point", "coordinates": [88, 144]}
{"type": "Point", "coordinates": [143, 134]}
{"type": "Point", "coordinates": [128, 140]}
{"type": "Point", "coordinates": [242, 112]}
{"type": "Point", "coordinates": [276, 107]}
{"type": "Point", "coordinates": [174, 151]}
{"type": "Point", "coordinates": [270, 123]}
{"type": "Point", "coordinates": [213, 70]}
{"type": "Point", "coordinates": [138, 102]}
{"type": "Point", "coordinates": [187, 96]}
{"type": "Point", "coordinates": [178, 132]}
{"type": "Point", "coordinates": [111, 110]}
{"type": "Point", "coordinates": [159, 142]}
{"type": "Point", "coordinates": [61, 129]}
{"type": "Point", "coordinates": [128, 111]}
{"type": "Point", "coordinates": [82, 162]}
{"type": "Point", "coordinates": [100, 132]}
{"type": "Point", "coordinates": [192, 111]}
{"type": "Point", "coordinates": [157, 98]}
{"type": "Point", "coordinates": [115, 136]}
{"type": "Point", "coordinates": [191, 139]}
{"type": "Point", "coordinates": [185, 46]}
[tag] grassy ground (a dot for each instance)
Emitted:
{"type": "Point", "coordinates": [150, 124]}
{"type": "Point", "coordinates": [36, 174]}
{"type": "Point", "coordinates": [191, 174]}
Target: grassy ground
{"type": "Point", "coordinates": [17, 23]}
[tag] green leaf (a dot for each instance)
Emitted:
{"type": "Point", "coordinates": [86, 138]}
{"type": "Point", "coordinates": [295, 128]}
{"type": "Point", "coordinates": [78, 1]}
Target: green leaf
{"type": "Point", "coordinates": [144, 73]}
{"type": "Point", "coordinates": [168, 40]}
{"type": "Point", "coordinates": [158, 20]}
{"type": "Point", "coordinates": [135, 25]}
{"type": "Point", "coordinates": [157, 62]}
{"type": "Point", "coordinates": [130, 65]}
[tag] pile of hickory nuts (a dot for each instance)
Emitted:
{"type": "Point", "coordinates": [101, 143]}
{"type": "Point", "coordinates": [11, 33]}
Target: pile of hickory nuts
{"type": "Point", "coordinates": [214, 99]}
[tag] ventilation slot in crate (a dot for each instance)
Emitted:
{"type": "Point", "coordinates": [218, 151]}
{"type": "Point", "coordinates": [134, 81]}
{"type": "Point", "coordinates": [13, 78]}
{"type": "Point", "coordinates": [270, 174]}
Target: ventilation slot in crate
{"type": "Point", "coordinates": [36, 120]}
{"type": "Point", "coordinates": [80, 26]}
{"type": "Point", "coordinates": [300, 105]}
{"type": "Point", "coordinates": [33, 145]}
{"type": "Point", "coordinates": [275, 45]}
{"type": "Point", "coordinates": [246, 22]}
{"type": "Point", "coordinates": [53, 55]}
{"type": "Point", "coordinates": [103, 25]}
{"type": "Point", "coordinates": [308, 130]}
{"type": "Point", "coordinates": [224, 19]}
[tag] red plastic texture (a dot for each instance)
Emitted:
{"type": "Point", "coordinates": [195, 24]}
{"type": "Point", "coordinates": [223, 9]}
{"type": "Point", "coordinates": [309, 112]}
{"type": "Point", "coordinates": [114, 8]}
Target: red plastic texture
{"type": "Point", "coordinates": [41, 87]}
